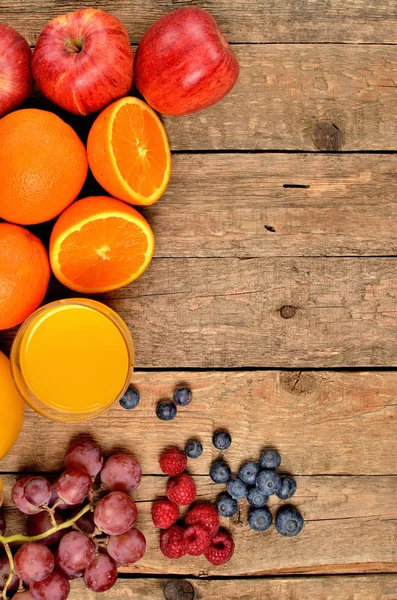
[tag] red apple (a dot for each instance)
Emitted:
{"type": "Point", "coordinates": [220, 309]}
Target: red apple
{"type": "Point", "coordinates": [184, 63]}
{"type": "Point", "coordinates": [16, 83]}
{"type": "Point", "coordinates": [83, 61]}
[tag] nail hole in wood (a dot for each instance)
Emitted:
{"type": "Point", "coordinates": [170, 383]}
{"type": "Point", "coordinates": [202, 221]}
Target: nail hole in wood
{"type": "Point", "coordinates": [179, 589]}
{"type": "Point", "coordinates": [270, 228]}
{"type": "Point", "coordinates": [299, 186]}
{"type": "Point", "coordinates": [287, 312]}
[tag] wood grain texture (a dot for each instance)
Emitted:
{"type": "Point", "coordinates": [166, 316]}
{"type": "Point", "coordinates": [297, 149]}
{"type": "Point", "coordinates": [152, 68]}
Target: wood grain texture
{"type": "Point", "coordinates": [294, 97]}
{"type": "Point", "coordinates": [283, 313]}
{"type": "Point", "coordinates": [369, 587]}
{"type": "Point", "coordinates": [226, 313]}
{"type": "Point", "coordinates": [221, 205]}
{"type": "Point", "coordinates": [321, 422]}
{"type": "Point", "coordinates": [241, 20]}
{"type": "Point", "coordinates": [301, 97]}
{"type": "Point", "coordinates": [337, 510]}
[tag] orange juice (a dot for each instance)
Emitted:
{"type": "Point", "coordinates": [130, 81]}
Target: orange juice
{"type": "Point", "coordinates": [72, 359]}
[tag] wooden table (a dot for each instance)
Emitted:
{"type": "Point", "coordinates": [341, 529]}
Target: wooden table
{"type": "Point", "coordinates": [273, 294]}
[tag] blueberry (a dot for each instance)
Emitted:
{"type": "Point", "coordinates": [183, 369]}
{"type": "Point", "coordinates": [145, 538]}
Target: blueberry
{"type": "Point", "coordinates": [268, 482]}
{"type": "Point", "coordinates": [221, 440]}
{"type": "Point", "coordinates": [248, 472]}
{"type": "Point", "coordinates": [220, 472]}
{"type": "Point", "coordinates": [289, 521]}
{"type": "Point", "coordinates": [260, 519]}
{"type": "Point", "coordinates": [256, 498]}
{"type": "Point", "coordinates": [288, 488]}
{"type": "Point", "coordinates": [193, 449]}
{"type": "Point", "coordinates": [270, 459]}
{"type": "Point", "coordinates": [226, 505]}
{"type": "Point", "coordinates": [166, 410]}
{"type": "Point", "coordinates": [236, 488]}
{"type": "Point", "coordinates": [130, 399]}
{"type": "Point", "coordinates": [183, 396]}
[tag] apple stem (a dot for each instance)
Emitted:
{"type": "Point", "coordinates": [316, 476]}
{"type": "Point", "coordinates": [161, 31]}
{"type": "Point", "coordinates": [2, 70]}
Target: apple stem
{"type": "Point", "coordinates": [74, 45]}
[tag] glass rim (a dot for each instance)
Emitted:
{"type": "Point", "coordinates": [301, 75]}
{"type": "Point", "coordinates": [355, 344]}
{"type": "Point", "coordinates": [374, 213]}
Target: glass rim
{"type": "Point", "coordinates": [29, 395]}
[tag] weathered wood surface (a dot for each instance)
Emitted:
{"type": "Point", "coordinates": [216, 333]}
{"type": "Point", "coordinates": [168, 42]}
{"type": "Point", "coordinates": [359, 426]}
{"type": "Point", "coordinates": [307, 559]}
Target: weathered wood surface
{"type": "Point", "coordinates": [350, 527]}
{"type": "Point", "coordinates": [232, 313]}
{"type": "Point", "coordinates": [246, 206]}
{"type": "Point", "coordinates": [321, 422]}
{"type": "Point", "coordinates": [301, 97]}
{"type": "Point", "coordinates": [369, 587]}
{"type": "Point", "coordinates": [242, 20]}
{"type": "Point", "coordinates": [297, 97]}
{"type": "Point", "coordinates": [283, 313]}
{"type": "Point", "coordinates": [224, 205]}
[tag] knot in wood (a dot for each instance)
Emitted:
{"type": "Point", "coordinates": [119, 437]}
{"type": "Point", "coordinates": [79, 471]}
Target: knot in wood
{"type": "Point", "coordinates": [287, 312]}
{"type": "Point", "coordinates": [179, 589]}
{"type": "Point", "coordinates": [300, 383]}
{"type": "Point", "coordinates": [327, 136]}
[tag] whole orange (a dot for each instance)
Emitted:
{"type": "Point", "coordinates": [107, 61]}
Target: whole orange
{"type": "Point", "coordinates": [24, 274]}
{"type": "Point", "coordinates": [43, 166]}
{"type": "Point", "coordinates": [11, 411]}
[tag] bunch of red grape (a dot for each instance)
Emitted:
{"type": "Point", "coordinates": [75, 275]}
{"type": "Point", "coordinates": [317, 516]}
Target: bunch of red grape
{"type": "Point", "coordinates": [90, 527]}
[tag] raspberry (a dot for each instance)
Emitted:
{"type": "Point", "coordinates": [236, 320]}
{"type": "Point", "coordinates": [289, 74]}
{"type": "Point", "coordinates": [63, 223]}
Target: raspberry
{"type": "Point", "coordinates": [196, 540]}
{"type": "Point", "coordinates": [204, 514]}
{"type": "Point", "coordinates": [221, 549]}
{"type": "Point", "coordinates": [164, 514]}
{"type": "Point", "coordinates": [173, 461]}
{"type": "Point", "coordinates": [171, 542]}
{"type": "Point", "coordinates": [181, 489]}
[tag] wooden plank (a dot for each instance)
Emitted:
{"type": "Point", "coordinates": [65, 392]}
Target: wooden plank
{"type": "Point", "coordinates": [241, 20]}
{"type": "Point", "coordinates": [323, 423]}
{"type": "Point", "coordinates": [239, 205]}
{"type": "Point", "coordinates": [301, 97]}
{"type": "Point", "coordinates": [294, 97]}
{"type": "Point", "coordinates": [368, 587]}
{"type": "Point", "coordinates": [283, 313]}
{"type": "Point", "coordinates": [333, 518]}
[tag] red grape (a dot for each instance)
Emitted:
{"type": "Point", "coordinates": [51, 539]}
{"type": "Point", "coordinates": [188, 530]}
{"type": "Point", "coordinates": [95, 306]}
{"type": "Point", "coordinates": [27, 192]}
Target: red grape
{"type": "Point", "coordinates": [4, 573]}
{"type": "Point", "coordinates": [26, 595]}
{"type": "Point", "coordinates": [86, 523]}
{"type": "Point", "coordinates": [84, 455]}
{"type": "Point", "coordinates": [19, 499]}
{"type": "Point", "coordinates": [101, 575]}
{"type": "Point", "coordinates": [62, 568]}
{"type": "Point", "coordinates": [34, 562]}
{"type": "Point", "coordinates": [121, 473]}
{"type": "Point", "coordinates": [54, 499]}
{"type": "Point", "coordinates": [2, 522]}
{"type": "Point", "coordinates": [76, 551]}
{"type": "Point", "coordinates": [73, 486]}
{"type": "Point", "coordinates": [54, 587]}
{"type": "Point", "coordinates": [128, 548]}
{"type": "Point", "coordinates": [36, 524]}
{"type": "Point", "coordinates": [115, 513]}
{"type": "Point", "coordinates": [37, 491]}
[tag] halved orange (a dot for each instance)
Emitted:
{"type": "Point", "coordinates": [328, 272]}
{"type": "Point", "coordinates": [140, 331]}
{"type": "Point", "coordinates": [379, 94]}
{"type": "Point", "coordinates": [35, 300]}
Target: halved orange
{"type": "Point", "coordinates": [128, 152]}
{"type": "Point", "coordinates": [100, 244]}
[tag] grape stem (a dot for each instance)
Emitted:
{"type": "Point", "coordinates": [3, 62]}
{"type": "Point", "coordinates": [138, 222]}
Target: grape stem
{"type": "Point", "coordinates": [41, 536]}
{"type": "Point", "coordinates": [18, 537]}
{"type": "Point", "coordinates": [12, 569]}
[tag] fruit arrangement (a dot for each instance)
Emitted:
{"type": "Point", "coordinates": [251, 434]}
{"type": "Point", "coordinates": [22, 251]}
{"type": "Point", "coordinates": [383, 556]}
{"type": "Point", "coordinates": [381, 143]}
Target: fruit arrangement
{"type": "Point", "coordinates": [257, 482]}
{"type": "Point", "coordinates": [198, 534]}
{"type": "Point", "coordinates": [80, 526]}
{"type": "Point", "coordinates": [83, 62]}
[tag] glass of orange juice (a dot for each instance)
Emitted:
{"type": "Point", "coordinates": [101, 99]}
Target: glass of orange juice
{"type": "Point", "coordinates": [72, 359]}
